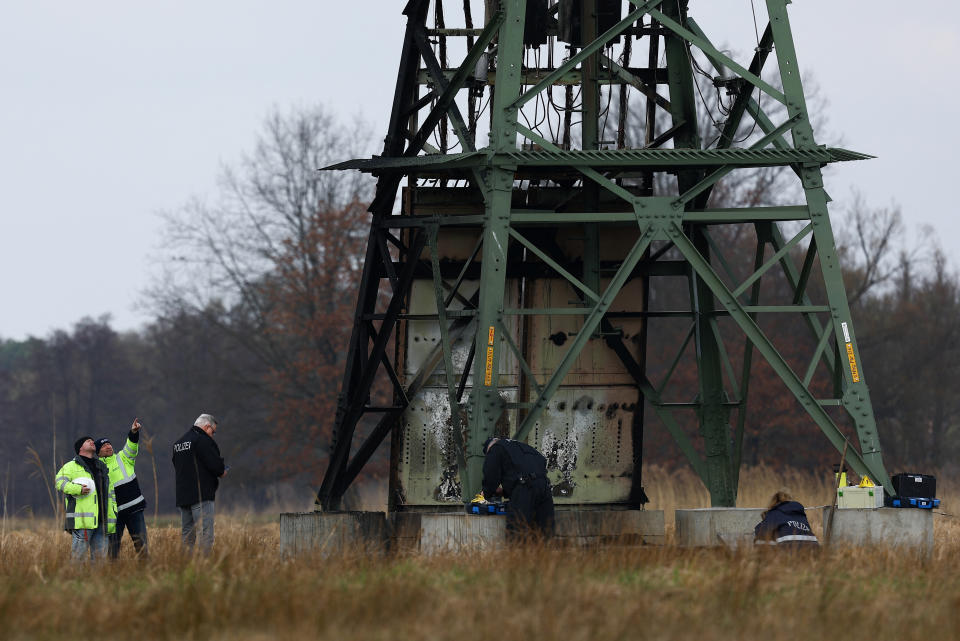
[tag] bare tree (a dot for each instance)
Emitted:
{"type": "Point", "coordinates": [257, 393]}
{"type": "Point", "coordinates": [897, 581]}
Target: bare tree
{"type": "Point", "coordinates": [872, 243]}
{"type": "Point", "coordinates": [274, 260]}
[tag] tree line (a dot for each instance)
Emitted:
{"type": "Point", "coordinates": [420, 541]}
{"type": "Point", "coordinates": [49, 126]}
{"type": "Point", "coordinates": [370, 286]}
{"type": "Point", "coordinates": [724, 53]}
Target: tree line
{"type": "Point", "coordinates": [253, 306]}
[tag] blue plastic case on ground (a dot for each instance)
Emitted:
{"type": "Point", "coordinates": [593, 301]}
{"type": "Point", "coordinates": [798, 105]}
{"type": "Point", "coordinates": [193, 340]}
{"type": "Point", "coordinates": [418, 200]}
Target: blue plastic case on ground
{"type": "Point", "coordinates": [912, 501]}
{"type": "Point", "coordinates": [486, 508]}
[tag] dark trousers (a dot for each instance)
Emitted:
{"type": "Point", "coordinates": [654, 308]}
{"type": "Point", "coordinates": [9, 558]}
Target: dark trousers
{"type": "Point", "coordinates": [530, 511]}
{"type": "Point", "coordinates": [137, 526]}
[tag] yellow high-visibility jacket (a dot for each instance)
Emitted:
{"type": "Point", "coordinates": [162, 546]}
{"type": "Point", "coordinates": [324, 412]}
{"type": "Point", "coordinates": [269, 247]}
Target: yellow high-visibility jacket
{"type": "Point", "coordinates": [123, 478]}
{"type": "Point", "coordinates": [83, 510]}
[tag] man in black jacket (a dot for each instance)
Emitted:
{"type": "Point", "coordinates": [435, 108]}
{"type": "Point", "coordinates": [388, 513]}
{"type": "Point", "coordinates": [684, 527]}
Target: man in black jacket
{"type": "Point", "coordinates": [521, 472]}
{"type": "Point", "coordinates": [198, 466]}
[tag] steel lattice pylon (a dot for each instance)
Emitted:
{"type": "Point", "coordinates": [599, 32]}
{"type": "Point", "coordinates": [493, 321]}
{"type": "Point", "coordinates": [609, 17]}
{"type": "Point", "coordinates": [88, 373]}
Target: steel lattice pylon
{"type": "Point", "coordinates": [565, 226]}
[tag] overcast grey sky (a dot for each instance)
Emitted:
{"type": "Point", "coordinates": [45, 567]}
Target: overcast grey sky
{"type": "Point", "coordinates": [115, 110]}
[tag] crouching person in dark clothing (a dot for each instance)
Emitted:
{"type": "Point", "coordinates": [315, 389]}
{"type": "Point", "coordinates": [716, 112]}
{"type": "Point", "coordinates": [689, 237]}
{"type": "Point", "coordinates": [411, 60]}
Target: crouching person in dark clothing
{"type": "Point", "coordinates": [785, 525]}
{"type": "Point", "coordinates": [522, 473]}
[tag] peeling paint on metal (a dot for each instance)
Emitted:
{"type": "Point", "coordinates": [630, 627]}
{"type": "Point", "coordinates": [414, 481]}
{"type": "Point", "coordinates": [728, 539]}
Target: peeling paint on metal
{"type": "Point", "coordinates": [562, 450]}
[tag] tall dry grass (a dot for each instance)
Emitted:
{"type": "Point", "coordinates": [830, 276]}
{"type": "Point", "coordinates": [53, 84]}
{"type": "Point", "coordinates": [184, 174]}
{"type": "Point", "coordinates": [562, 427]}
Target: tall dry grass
{"type": "Point", "coordinates": [244, 590]}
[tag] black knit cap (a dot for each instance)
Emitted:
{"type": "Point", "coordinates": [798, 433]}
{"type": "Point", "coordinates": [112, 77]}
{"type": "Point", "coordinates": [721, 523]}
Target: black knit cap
{"type": "Point", "coordinates": [487, 443]}
{"type": "Point", "coordinates": [79, 443]}
{"type": "Point", "coordinates": [100, 442]}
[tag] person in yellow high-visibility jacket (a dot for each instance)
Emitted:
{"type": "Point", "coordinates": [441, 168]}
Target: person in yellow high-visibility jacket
{"type": "Point", "coordinates": [91, 510]}
{"type": "Point", "coordinates": [126, 489]}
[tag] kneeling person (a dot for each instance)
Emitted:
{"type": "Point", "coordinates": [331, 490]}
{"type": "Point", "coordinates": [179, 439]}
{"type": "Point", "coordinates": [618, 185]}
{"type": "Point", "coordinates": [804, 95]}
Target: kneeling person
{"type": "Point", "coordinates": [785, 524]}
{"type": "Point", "coordinates": [522, 473]}
{"type": "Point", "coordinates": [130, 501]}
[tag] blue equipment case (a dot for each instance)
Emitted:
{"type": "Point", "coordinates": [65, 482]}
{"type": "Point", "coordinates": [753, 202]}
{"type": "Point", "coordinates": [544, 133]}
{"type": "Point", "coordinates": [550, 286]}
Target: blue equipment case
{"type": "Point", "coordinates": [912, 501]}
{"type": "Point", "coordinates": [486, 508]}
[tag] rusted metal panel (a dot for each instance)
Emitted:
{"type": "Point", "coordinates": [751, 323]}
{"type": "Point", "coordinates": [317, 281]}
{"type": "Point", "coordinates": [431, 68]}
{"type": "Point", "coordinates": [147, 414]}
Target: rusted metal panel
{"type": "Point", "coordinates": [427, 462]}
{"type": "Point", "coordinates": [586, 435]}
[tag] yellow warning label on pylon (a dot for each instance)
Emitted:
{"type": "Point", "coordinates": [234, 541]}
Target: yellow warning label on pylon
{"type": "Point", "coordinates": [488, 373]}
{"type": "Point", "coordinates": [853, 363]}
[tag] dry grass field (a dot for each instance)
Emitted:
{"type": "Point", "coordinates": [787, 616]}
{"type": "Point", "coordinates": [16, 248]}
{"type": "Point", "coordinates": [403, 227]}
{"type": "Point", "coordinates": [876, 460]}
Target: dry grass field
{"type": "Point", "coordinates": [244, 590]}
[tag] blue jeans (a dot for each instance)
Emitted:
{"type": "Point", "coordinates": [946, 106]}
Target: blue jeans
{"type": "Point", "coordinates": [199, 514]}
{"type": "Point", "coordinates": [89, 545]}
{"type": "Point", "coordinates": [137, 527]}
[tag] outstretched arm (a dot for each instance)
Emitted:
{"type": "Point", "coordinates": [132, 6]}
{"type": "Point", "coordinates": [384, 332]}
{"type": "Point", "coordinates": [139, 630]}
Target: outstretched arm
{"type": "Point", "coordinates": [132, 446]}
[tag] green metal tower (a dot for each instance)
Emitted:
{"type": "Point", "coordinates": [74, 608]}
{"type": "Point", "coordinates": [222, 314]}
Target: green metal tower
{"type": "Point", "coordinates": [512, 282]}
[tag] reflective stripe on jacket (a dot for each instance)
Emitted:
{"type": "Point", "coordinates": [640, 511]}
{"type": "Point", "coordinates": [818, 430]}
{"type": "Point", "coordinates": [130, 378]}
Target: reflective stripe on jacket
{"type": "Point", "coordinates": [123, 478]}
{"type": "Point", "coordinates": [83, 510]}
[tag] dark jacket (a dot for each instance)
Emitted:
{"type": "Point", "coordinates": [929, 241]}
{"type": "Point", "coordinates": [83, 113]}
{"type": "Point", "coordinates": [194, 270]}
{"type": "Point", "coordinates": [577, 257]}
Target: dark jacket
{"type": "Point", "coordinates": [198, 465]}
{"type": "Point", "coordinates": [101, 479]}
{"type": "Point", "coordinates": [785, 523]}
{"type": "Point", "coordinates": [510, 462]}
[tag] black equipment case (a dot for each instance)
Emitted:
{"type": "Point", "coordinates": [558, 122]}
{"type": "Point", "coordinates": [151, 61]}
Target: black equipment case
{"type": "Point", "coordinates": [915, 485]}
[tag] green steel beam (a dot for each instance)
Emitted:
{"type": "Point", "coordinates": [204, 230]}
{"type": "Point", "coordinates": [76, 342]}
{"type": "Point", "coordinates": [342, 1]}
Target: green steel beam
{"type": "Point", "coordinates": [857, 396]}
{"type": "Point", "coordinates": [747, 368]}
{"type": "Point", "coordinates": [485, 403]}
{"type": "Point", "coordinates": [713, 416]}
{"type": "Point", "coordinates": [724, 355]}
{"type": "Point", "coordinates": [524, 365]}
{"type": "Point", "coordinates": [800, 288]}
{"type": "Point", "coordinates": [715, 216]}
{"type": "Point", "coordinates": [692, 192]}
{"type": "Point", "coordinates": [532, 77]}
{"type": "Point", "coordinates": [787, 309]}
{"type": "Point", "coordinates": [592, 174]}
{"type": "Point", "coordinates": [677, 357]}
{"type": "Point", "coordinates": [817, 354]}
{"type": "Point", "coordinates": [636, 83]}
{"type": "Point", "coordinates": [554, 157]}
{"type": "Point", "coordinates": [794, 279]}
{"type": "Point", "coordinates": [573, 280]}
{"type": "Point", "coordinates": [774, 260]}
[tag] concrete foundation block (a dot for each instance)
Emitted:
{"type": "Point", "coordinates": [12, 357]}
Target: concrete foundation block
{"type": "Point", "coordinates": [597, 527]}
{"type": "Point", "coordinates": [895, 527]}
{"type": "Point", "coordinates": [436, 533]}
{"type": "Point", "coordinates": [431, 533]}
{"type": "Point", "coordinates": [712, 526]}
{"type": "Point", "coordinates": [333, 533]}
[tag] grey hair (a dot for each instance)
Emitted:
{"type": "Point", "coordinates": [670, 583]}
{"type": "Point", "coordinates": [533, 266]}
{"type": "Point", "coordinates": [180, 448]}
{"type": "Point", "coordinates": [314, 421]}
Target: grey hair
{"type": "Point", "coordinates": [205, 419]}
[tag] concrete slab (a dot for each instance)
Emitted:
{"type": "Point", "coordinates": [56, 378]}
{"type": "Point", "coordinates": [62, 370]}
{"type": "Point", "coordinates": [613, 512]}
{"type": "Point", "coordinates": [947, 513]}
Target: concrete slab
{"type": "Point", "coordinates": [896, 527]}
{"type": "Point", "coordinates": [730, 526]}
{"type": "Point", "coordinates": [435, 533]}
{"type": "Point", "coordinates": [333, 533]}
{"type": "Point", "coordinates": [598, 527]}
{"type": "Point", "coordinates": [431, 533]}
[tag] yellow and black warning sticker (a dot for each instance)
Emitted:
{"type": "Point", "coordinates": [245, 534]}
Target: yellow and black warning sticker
{"type": "Point", "coordinates": [488, 371]}
{"type": "Point", "coordinates": [854, 372]}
